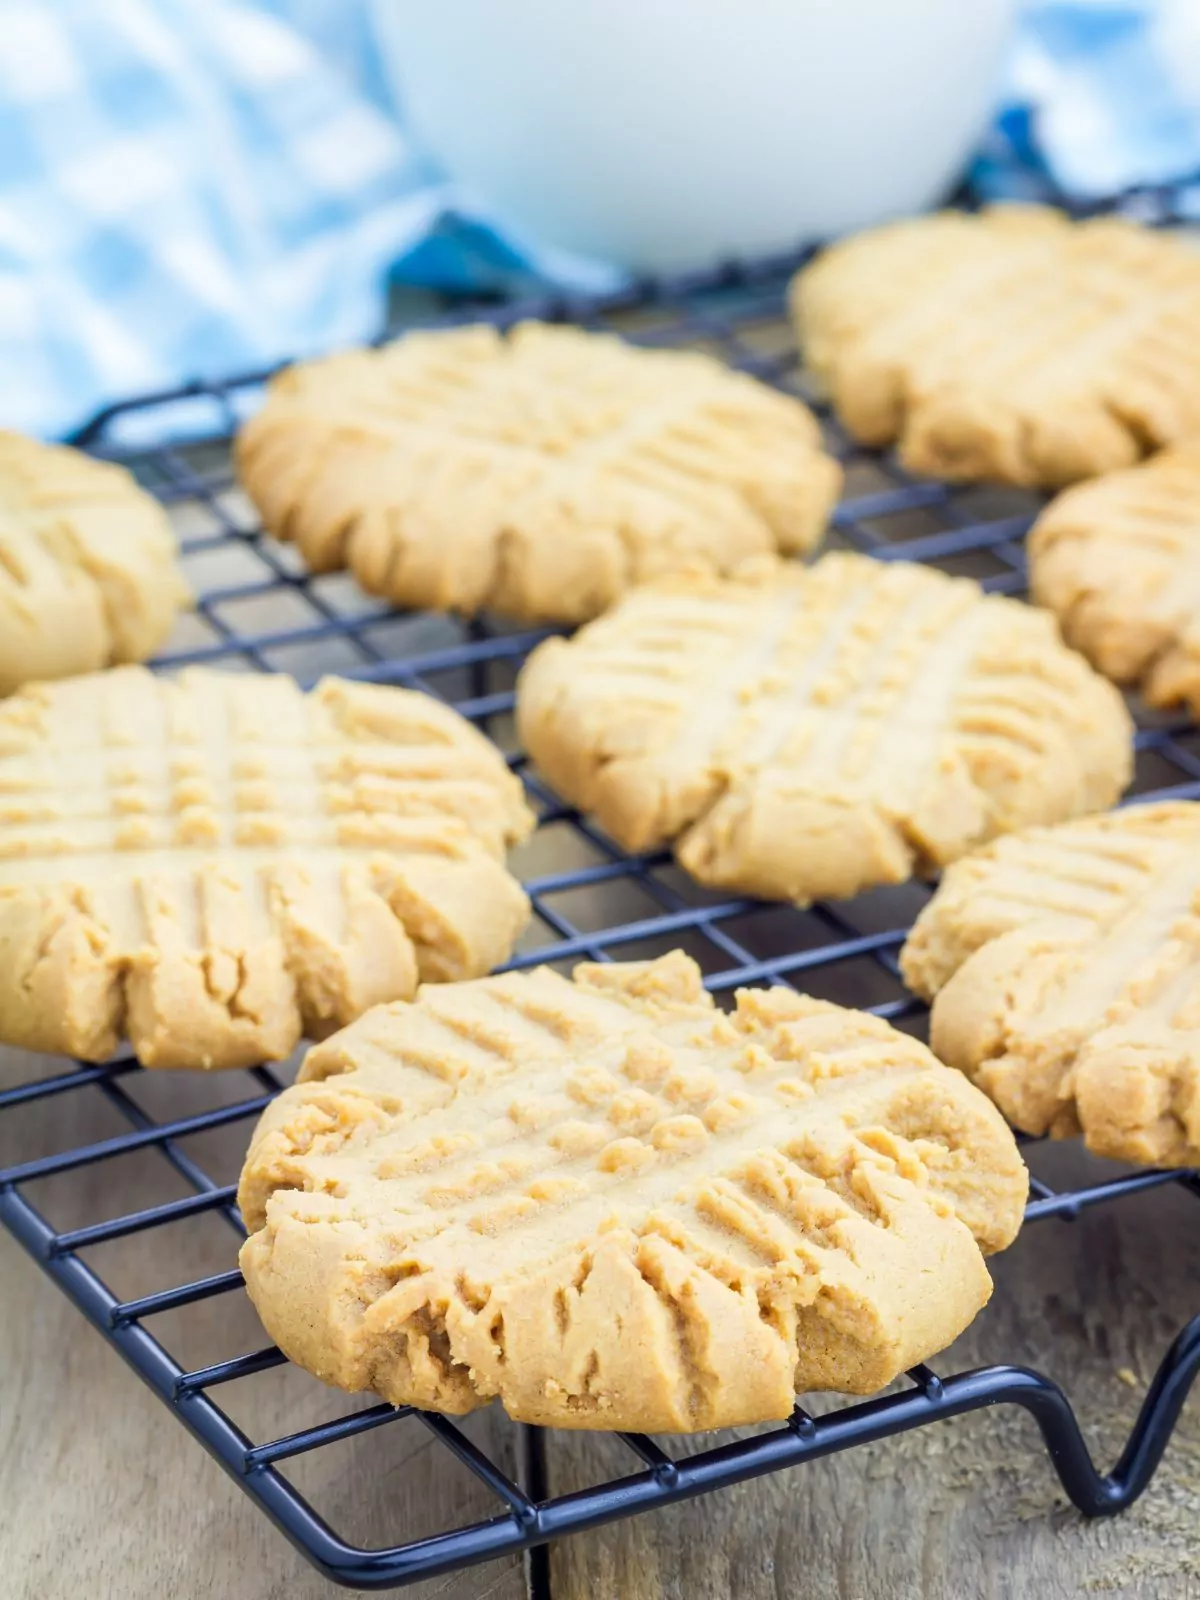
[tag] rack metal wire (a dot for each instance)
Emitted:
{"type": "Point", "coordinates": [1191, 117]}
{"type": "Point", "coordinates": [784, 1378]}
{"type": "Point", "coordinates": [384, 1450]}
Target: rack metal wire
{"type": "Point", "coordinates": [594, 902]}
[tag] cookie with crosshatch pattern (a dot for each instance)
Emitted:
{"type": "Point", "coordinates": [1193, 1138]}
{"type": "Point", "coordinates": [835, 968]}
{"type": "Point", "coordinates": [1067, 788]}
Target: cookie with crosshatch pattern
{"type": "Point", "coordinates": [213, 865]}
{"type": "Point", "coordinates": [1118, 562]}
{"type": "Point", "coordinates": [1015, 344]}
{"type": "Point", "coordinates": [88, 574]}
{"type": "Point", "coordinates": [804, 732]}
{"type": "Point", "coordinates": [537, 474]}
{"type": "Point", "coordinates": [1064, 968]}
{"type": "Point", "coordinates": [613, 1206]}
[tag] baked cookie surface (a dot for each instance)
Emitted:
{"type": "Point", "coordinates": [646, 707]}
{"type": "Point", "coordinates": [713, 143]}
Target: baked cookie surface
{"type": "Point", "coordinates": [88, 574]}
{"type": "Point", "coordinates": [1118, 562]}
{"type": "Point", "coordinates": [613, 1206]}
{"type": "Point", "coordinates": [537, 474]}
{"type": "Point", "coordinates": [1064, 969]}
{"type": "Point", "coordinates": [805, 732]}
{"type": "Point", "coordinates": [1014, 344]}
{"type": "Point", "coordinates": [212, 865]}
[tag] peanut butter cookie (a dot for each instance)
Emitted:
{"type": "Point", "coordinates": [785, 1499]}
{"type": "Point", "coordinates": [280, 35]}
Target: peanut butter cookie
{"type": "Point", "coordinates": [1118, 562]}
{"type": "Point", "coordinates": [612, 1206]}
{"type": "Point", "coordinates": [211, 866]}
{"type": "Point", "coordinates": [537, 474]}
{"type": "Point", "coordinates": [1064, 968]}
{"type": "Point", "coordinates": [88, 575]}
{"type": "Point", "coordinates": [1015, 344]}
{"type": "Point", "coordinates": [803, 732]}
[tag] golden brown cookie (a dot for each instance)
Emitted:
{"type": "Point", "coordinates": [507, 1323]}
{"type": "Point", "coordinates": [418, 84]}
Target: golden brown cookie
{"type": "Point", "coordinates": [88, 575]}
{"type": "Point", "coordinates": [1118, 562]}
{"type": "Point", "coordinates": [212, 866]}
{"type": "Point", "coordinates": [1064, 967]}
{"type": "Point", "coordinates": [613, 1206]}
{"type": "Point", "coordinates": [799, 732]}
{"type": "Point", "coordinates": [1014, 344]}
{"type": "Point", "coordinates": [537, 474]}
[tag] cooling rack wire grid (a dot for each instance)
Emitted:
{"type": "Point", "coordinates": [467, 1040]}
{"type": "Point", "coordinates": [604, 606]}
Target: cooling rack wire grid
{"type": "Point", "coordinates": [179, 1137]}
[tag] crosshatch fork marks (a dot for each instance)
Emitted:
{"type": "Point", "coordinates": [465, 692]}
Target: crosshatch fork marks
{"type": "Point", "coordinates": [748, 1198]}
{"type": "Point", "coordinates": [808, 732]}
{"type": "Point", "coordinates": [213, 865]}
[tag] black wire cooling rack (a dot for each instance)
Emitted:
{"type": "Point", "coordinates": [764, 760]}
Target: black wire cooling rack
{"type": "Point", "coordinates": [599, 904]}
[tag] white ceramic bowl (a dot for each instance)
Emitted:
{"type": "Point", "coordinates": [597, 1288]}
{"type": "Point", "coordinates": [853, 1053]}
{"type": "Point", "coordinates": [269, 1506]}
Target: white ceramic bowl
{"type": "Point", "coordinates": [667, 133]}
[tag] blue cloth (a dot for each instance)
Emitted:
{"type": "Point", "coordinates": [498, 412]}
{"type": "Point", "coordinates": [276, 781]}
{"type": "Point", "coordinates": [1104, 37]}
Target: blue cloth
{"type": "Point", "coordinates": [194, 189]}
{"type": "Point", "coordinates": [185, 189]}
{"type": "Point", "coordinates": [1102, 96]}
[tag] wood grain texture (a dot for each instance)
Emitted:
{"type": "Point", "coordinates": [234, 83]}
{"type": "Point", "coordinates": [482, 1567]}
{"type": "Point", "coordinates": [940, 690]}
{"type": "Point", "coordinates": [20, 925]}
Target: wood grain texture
{"type": "Point", "coordinates": [970, 1507]}
{"type": "Point", "coordinates": [102, 1490]}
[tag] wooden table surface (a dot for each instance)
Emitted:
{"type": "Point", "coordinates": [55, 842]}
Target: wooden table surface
{"type": "Point", "coordinates": [103, 1494]}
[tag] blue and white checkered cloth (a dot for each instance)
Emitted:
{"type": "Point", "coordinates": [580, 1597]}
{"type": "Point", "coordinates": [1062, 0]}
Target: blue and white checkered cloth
{"type": "Point", "coordinates": [1102, 96]}
{"type": "Point", "coordinates": [190, 190]}
{"type": "Point", "coordinates": [184, 190]}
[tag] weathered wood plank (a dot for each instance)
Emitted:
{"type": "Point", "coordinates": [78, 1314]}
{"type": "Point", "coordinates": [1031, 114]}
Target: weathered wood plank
{"type": "Point", "coordinates": [972, 1507]}
{"type": "Point", "coordinates": [102, 1491]}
